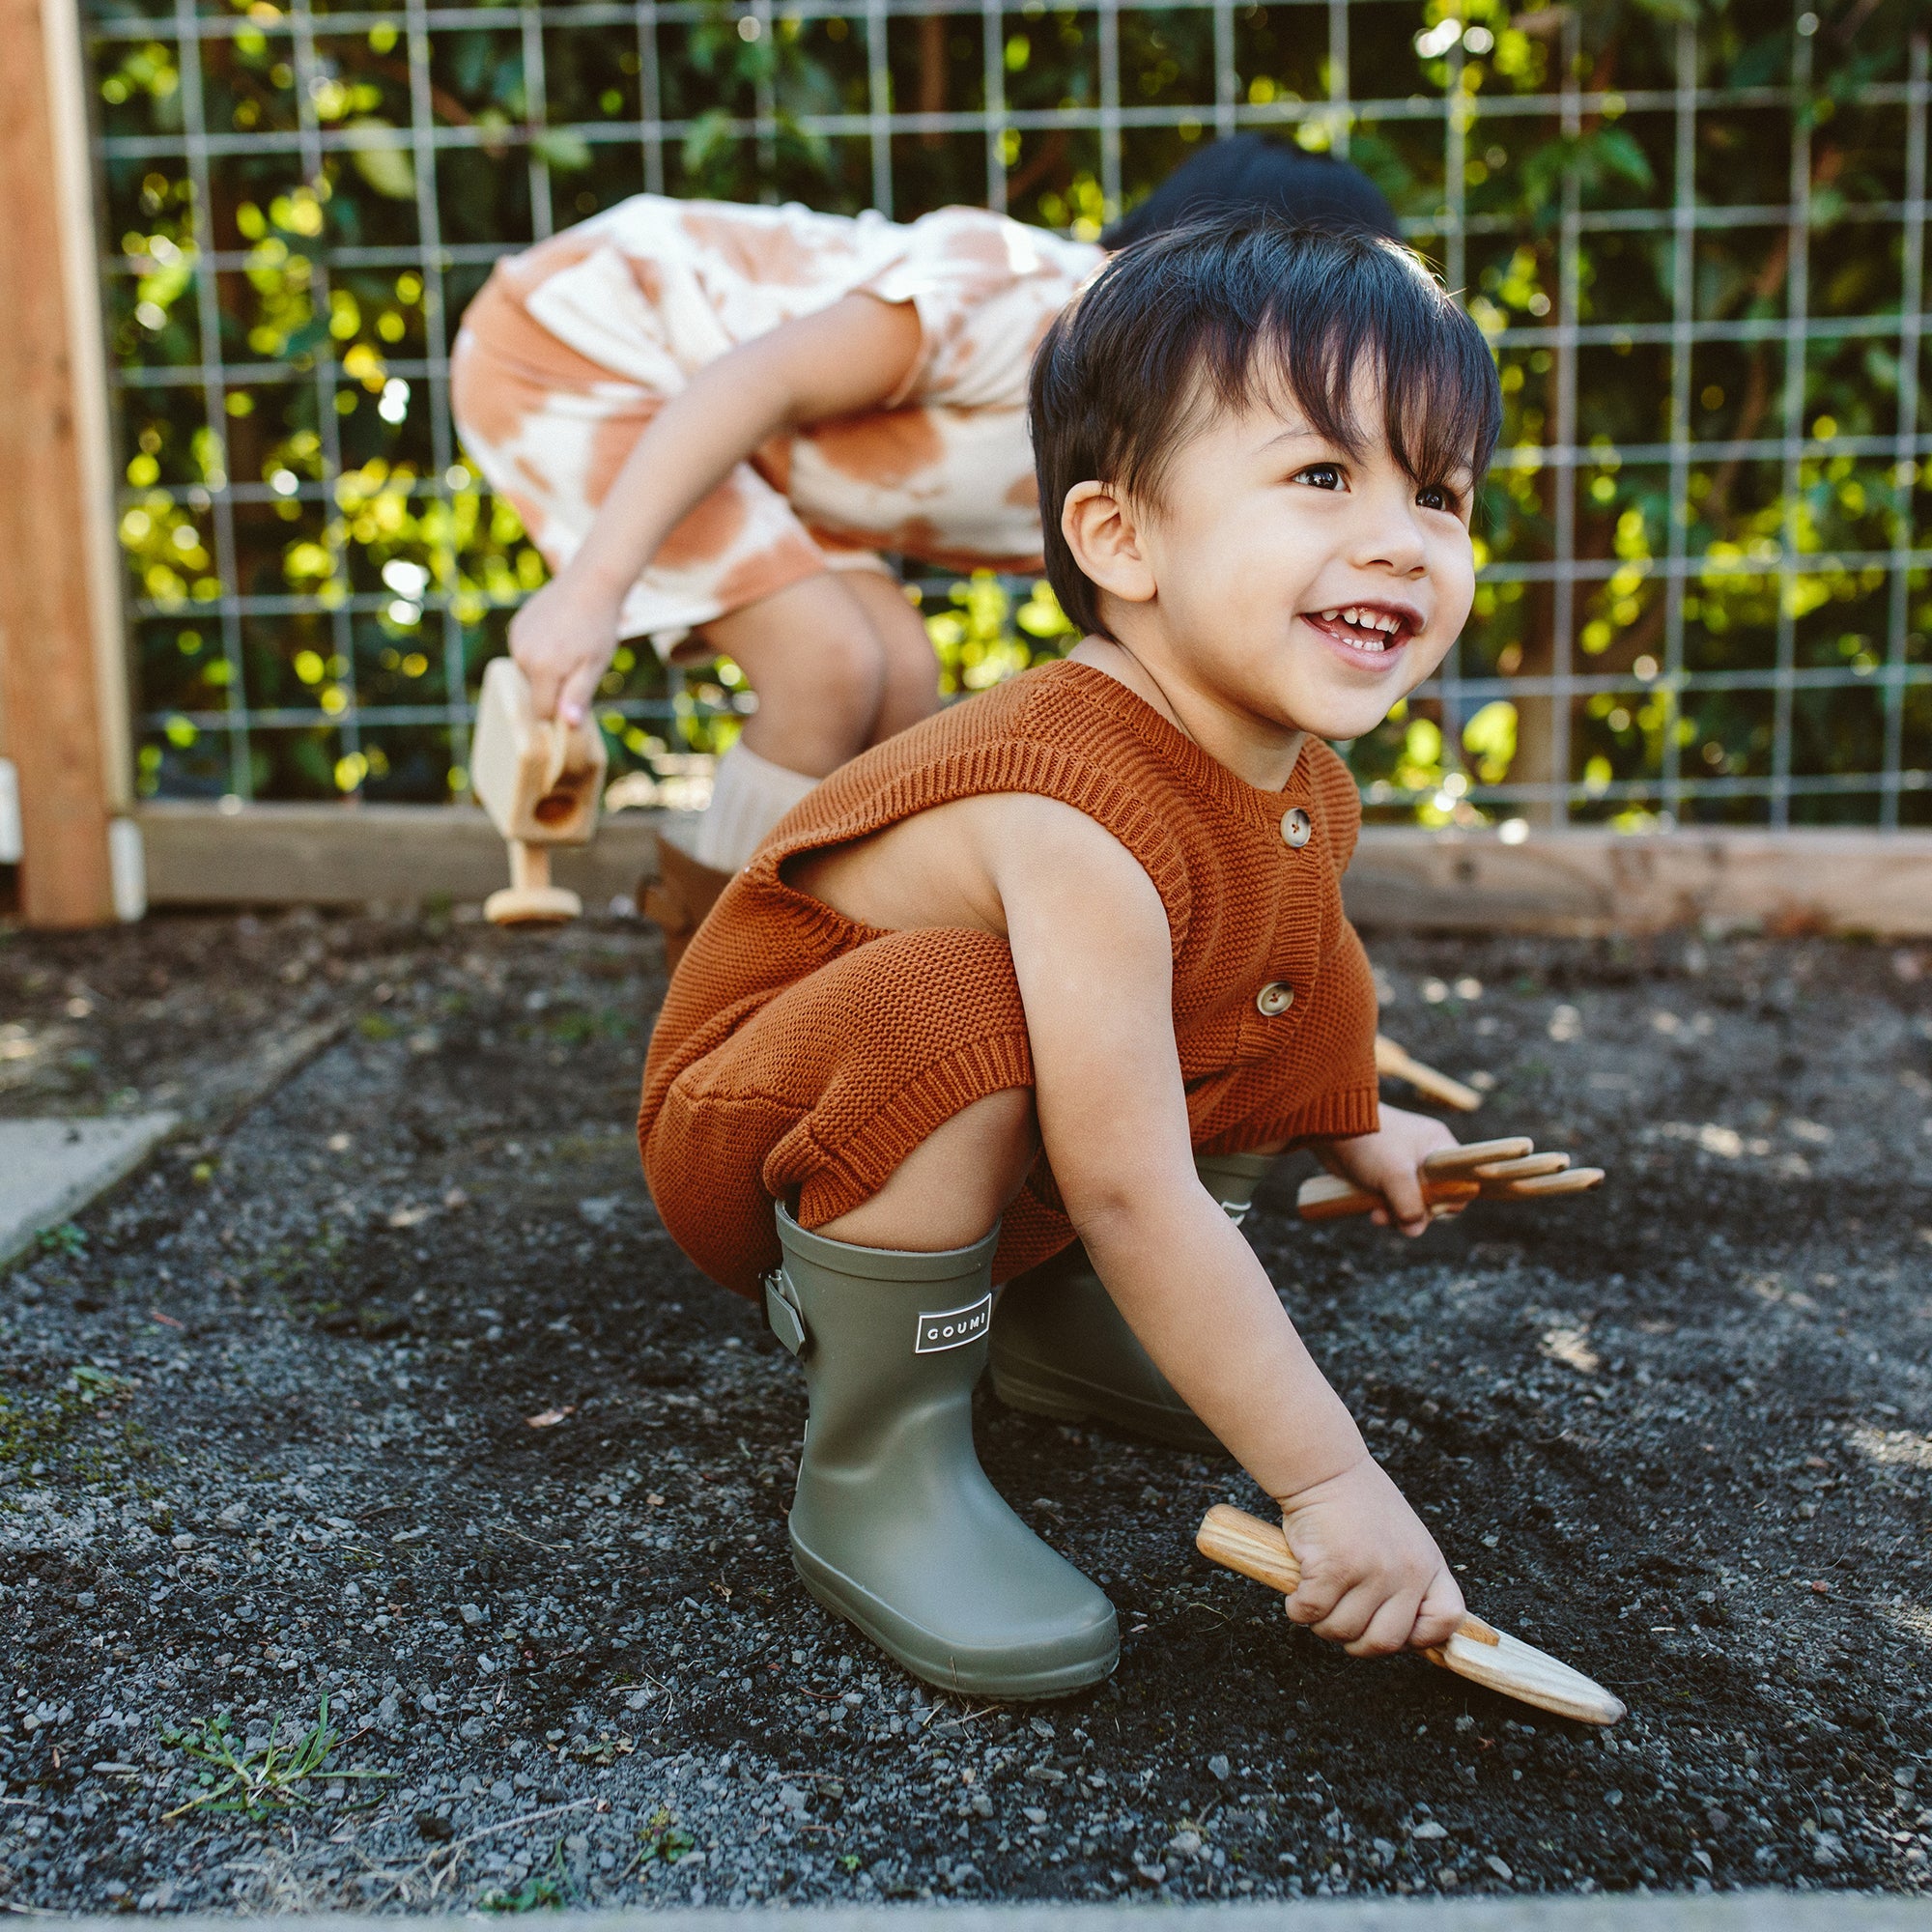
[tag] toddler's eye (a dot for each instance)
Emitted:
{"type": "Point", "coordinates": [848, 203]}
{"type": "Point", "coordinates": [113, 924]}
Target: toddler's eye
{"type": "Point", "coordinates": [1436, 497]}
{"type": "Point", "coordinates": [1322, 475]}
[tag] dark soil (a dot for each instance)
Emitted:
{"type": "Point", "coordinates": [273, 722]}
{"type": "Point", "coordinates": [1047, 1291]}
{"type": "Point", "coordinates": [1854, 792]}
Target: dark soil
{"type": "Point", "coordinates": [390, 1390]}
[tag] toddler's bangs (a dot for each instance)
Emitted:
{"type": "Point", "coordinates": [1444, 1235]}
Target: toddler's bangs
{"type": "Point", "coordinates": [1303, 337]}
{"type": "Point", "coordinates": [1432, 369]}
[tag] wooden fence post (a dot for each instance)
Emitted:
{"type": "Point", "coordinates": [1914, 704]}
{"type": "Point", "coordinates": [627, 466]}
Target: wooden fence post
{"type": "Point", "coordinates": [63, 660]}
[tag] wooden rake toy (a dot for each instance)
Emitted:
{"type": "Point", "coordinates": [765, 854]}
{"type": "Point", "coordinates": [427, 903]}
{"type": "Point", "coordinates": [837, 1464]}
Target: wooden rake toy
{"type": "Point", "coordinates": [1500, 1170]}
{"type": "Point", "coordinates": [541, 782]}
{"type": "Point", "coordinates": [1243, 1542]}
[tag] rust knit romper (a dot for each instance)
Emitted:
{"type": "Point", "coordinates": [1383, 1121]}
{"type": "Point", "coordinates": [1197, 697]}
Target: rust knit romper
{"type": "Point", "coordinates": [801, 1056]}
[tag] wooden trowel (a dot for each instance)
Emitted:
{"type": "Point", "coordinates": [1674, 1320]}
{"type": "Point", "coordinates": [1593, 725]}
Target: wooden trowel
{"type": "Point", "coordinates": [1238, 1541]}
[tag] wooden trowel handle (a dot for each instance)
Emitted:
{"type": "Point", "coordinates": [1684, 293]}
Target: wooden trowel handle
{"type": "Point", "coordinates": [1327, 1197]}
{"type": "Point", "coordinates": [1244, 1543]}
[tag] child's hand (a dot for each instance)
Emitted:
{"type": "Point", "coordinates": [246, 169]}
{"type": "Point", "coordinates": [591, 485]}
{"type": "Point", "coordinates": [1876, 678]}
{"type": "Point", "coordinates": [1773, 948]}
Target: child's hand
{"type": "Point", "coordinates": [1371, 1577]}
{"type": "Point", "coordinates": [563, 640]}
{"type": "Point", "coordinates": [1388, 1162]}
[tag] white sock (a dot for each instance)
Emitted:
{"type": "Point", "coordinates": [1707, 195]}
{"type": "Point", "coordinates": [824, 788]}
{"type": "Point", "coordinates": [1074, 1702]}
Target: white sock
{"type": "Point", "coordinates": [748, 796]}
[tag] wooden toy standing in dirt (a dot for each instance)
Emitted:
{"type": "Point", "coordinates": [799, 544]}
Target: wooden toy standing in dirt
{"type": "Point", "coordinates": [1035, 992]}
{"type": "Point", "coordinates": [712, 420]}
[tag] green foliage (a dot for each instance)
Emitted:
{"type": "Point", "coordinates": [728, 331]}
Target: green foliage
{"type": "Point", "coordinates": [38, 1423]}
{"type": "Point", "coordinates": [542, 1891]}
{"type": "Point", "coordinates": [393, 572]}
{"type": "Point", "coordinates": [255, 1782]}
{"type": "Point", "coordinates": [663, 1838]}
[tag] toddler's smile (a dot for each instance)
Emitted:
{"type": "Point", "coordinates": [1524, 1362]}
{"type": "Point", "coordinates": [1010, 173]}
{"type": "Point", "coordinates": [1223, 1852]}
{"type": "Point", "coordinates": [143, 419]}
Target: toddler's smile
{"type": "Point", "coordinates": [1377, 630]}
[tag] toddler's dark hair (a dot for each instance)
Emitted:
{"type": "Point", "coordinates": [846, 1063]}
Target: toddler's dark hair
{"type": "Point", "coordinates": [1199, 320]}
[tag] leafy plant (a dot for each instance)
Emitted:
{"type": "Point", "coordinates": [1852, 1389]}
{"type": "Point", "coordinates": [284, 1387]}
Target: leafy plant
{"type": "Point", "coordinates": [258, 1780]}
{"type": "Point", "coordinates": [664, 1838]}
{"type": "Point", "coordinates": [542, 1891]}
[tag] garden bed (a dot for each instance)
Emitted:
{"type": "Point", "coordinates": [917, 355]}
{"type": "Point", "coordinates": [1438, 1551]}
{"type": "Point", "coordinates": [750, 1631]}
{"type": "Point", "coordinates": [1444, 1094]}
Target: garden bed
{"type": "Point", "coordinates": [382, 1385]}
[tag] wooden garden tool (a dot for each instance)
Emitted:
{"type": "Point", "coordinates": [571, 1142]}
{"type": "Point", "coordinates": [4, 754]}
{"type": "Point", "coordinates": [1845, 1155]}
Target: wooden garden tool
{"type": "Point", "coordinates": [1233, 1538]}
{"type": "Point", "coordinates": [541, 782]}
{"type": "Point", "coordinates": [1500, 1170]}
{"type": "Point", "coordinates": [1394, 1062]}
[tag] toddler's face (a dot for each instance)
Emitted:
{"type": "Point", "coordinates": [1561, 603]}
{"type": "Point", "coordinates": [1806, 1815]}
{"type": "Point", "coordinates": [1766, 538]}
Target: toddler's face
{"type": "Point", "coordinates": [1305, 585]}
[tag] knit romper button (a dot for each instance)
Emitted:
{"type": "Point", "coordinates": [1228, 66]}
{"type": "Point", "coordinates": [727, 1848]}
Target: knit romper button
{"type": "Point", "coordinates": [1276, 998]}
{"type": "Point", "coordinates": [1295, 828]}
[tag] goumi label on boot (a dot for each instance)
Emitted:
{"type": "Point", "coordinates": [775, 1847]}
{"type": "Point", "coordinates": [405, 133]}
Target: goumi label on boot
{"type": "Point", "coordinates": [955, 1329]}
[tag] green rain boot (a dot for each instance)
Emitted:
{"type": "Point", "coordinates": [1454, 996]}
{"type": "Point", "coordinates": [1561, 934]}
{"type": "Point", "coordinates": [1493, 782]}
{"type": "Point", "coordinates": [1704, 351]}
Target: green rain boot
{"type": "Point", "coordinates": [1061, 1348]}
{"type": "Point", "coordinates": [895, 1525]}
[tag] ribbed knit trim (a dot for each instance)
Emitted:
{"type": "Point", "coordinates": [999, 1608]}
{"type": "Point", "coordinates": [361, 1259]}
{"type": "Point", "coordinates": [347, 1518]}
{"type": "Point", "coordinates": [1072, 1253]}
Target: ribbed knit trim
{"type": "Point", "coordinates": [1342, 1114]}
{"type": "Point", "coordinates": [855, 1171]}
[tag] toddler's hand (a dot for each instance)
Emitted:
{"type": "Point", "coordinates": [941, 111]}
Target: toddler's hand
{"type": "Point", "coordinates": [1371, 1577]}
{"type": "Point", "coordinates": [1388, 1162]}
{"type": "Point", "coordinates": [563, 639]}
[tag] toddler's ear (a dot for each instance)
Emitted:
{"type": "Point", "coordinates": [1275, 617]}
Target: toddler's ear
{"type": "Point", "coordinates": [1104, 535]}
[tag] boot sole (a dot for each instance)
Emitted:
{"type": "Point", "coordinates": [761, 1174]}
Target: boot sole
{"type": "Point", "coordinates": [927, 1655]}
{"type": "Point", "coordinates": [1062, 1399]}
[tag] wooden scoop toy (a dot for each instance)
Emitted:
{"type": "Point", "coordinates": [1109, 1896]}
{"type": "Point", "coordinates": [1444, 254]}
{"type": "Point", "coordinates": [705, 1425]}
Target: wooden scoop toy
{"type": "Point", "coordinates": [541, 782]}
{"type": "Point", "coordinates": [1238, 1541]}
{"type": "Point", "coordinates": [1500, 1170]}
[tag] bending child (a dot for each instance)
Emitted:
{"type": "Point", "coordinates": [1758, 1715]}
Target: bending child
{"type": "Point", "coordinates": [1069, 963]}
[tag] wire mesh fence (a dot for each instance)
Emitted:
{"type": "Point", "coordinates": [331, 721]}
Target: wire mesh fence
{"type": "Point", "coordinates": [1696, 245]}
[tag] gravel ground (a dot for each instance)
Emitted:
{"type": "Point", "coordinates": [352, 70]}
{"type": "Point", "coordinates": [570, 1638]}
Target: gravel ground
{"type": "Point", "coordinates": [387, 1390]}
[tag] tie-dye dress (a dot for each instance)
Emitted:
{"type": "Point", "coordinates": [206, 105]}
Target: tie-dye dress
{"type": "Point", "coordinates": [572, 347]}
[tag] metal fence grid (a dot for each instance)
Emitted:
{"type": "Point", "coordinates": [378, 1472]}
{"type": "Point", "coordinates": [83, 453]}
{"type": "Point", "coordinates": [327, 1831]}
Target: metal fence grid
{"type": "Point", "coordinates": [318, 627]}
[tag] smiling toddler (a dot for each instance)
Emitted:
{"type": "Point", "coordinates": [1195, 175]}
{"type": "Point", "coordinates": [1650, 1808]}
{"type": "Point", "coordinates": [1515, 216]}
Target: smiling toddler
{"type": "Point", "coordinates": [1067, 964]}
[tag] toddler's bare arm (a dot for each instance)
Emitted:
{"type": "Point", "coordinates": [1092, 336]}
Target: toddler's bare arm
{"type": "Point", "coordinates": [1093, 952]}
{"type": "Point", "coordinates": [840, 360]}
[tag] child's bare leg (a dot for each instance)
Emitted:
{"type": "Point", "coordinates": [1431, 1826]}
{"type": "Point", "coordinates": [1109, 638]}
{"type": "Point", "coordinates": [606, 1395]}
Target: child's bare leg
{"type": "Point", "coordinates": [912, 671]}
{"type": "Point", "coordinates": [952, 1188]}
{"type": "Point", "coordinates": [811, 653]}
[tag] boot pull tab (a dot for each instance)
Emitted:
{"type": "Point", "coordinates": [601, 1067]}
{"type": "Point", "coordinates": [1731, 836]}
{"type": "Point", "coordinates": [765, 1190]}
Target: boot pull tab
{"type": "Point", "coordinates": [782, 1315]}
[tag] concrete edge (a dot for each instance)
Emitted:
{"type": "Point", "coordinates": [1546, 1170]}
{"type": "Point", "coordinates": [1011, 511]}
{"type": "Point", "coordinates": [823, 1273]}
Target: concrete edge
{"type": "Point", "coordinates": [1621, 1912]}
{"type": "Point", "coordinates": [154, 1129]}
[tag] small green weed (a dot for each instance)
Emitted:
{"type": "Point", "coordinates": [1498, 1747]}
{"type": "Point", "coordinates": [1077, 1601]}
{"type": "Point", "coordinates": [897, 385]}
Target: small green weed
{"type": "Point", "coordinates": [258, 1780]}
{"type": "Point", "coordinates": [35, 1429]}
{"type": "Point", "coordinates": [541, 1891]}
{"type": "Point", "coordinates": [373, 1026]}
{"type": "Point", "coordinates": [67, 1240]}
{"type": "Point", "coordinates": [664, 1838]}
